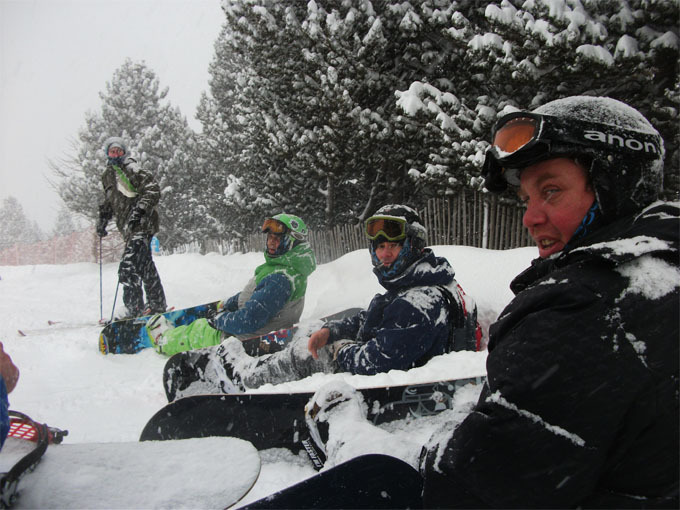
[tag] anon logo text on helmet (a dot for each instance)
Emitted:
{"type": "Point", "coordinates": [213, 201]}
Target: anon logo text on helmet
{"type": "Point", "coordinates": [619, 141]}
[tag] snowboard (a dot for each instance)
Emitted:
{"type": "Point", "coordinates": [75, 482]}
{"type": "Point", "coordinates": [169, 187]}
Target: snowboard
{"type": "Point", "coordinates": [276, 420]}
{"type": "Point", "coordinates": [218, 471]}
{"type": "Point", "coordinates": [368, 481]}
{"type": "Point", "coordinates": [129, 336]}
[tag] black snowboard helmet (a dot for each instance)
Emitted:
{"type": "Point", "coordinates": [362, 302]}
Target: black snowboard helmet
{"type": "Point", "coordinates": [621, 150]}
{"type": "Point", "coordinates": [400, 224]}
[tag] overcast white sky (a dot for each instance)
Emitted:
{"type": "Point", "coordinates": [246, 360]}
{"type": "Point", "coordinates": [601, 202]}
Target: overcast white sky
{"type": "Point", "coordinates": [57, 55]}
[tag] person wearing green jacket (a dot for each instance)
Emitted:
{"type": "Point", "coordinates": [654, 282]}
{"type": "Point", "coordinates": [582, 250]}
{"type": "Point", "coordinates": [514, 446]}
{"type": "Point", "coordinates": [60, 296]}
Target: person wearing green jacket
{"type": "Point", "coordinates": [273, 298]}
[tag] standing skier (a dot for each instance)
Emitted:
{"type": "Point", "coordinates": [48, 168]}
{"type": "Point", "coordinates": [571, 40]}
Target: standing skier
{"type": "Point", "coordinates": [132, 194]}
{"type": "Point", "coordinates": [273, 299]}
{"type": "Point", "coordinates": [581, 404]}
{"type": "Point", "coordinates": [423, 313]}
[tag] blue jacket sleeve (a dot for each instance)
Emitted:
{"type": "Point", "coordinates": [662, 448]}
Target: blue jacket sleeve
{"type": "Point", "coordinates": [4, 412]}
{"type": "Point", "coordinates": [266, 301]}
{"type": "Point", "coordinates": [231, 304]}
{"type": "Point", "coordinates": [410, 329]}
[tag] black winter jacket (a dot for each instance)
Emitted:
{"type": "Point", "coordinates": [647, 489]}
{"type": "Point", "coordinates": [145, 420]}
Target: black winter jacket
{"type": "Point", "coordinates": [581, 404]}
{"type": "Point", "coordinates": [128, 188]}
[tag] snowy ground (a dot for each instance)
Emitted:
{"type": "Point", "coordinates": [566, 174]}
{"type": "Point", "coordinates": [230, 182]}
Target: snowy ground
{"type": "Point", "coordinates": [67, 383]}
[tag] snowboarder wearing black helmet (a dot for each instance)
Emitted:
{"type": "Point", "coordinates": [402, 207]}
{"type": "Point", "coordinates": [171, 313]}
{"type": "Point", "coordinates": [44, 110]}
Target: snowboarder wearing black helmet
{"type": "Point", "coordinates": [423, 313]}
{"type": "Point", "coordinates": [581, 406]}
{"type": "Point", "coordinates": [396, 332]}
{"type": "Point", "coordinates": [131, 194]}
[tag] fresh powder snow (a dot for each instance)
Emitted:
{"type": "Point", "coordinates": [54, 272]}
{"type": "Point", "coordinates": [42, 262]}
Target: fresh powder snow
{"type": "Point", "coordinates": [67, 383]}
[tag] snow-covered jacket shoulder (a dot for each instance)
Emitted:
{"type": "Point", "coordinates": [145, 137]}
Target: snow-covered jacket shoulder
{"type": "Point", "coordinates": [581, 405]}
{"type": "Point", "coordinates": [402, 328]}
{"type": "Point", "coordinates": [128, 187]}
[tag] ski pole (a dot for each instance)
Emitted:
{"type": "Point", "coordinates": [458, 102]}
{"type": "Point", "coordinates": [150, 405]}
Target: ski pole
{"type": "Point", "coordinates": [101, 291]}
{"type": "Point", "coordinates": [115, 296]}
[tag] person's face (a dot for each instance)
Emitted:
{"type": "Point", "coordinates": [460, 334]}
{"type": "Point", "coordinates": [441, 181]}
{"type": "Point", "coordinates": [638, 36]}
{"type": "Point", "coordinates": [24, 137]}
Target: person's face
{"type": "Point", "coordinates": [557, 197]}
{"type": "Point", "coordinates": [116, 152]}
{"type": "Point", "coordinates": [273, 242]}
{"type": "Point", "coordinates": [387, 252]}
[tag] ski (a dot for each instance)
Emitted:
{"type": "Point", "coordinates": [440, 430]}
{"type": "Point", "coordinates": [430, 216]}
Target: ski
{"type": "Point", "coordinates": [53, 326]}
{"type": "Point", "coordinates": [276, 420]}
{"type": "Point", "coordinates": [367, 481]}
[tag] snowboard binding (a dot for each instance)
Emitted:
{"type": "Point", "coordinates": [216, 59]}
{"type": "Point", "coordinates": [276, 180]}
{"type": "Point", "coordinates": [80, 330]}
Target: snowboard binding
{"type": "Point", "coordinates": [23, 427]}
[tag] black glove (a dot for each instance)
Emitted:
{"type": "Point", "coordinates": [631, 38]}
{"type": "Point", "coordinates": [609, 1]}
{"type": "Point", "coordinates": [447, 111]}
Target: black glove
{"type": "Point", "coordinates": [135, 219]}
{"type": "Point", "coordinates": [101, 226]}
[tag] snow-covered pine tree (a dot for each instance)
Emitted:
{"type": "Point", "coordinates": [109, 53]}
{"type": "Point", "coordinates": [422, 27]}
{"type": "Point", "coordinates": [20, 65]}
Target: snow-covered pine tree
{"type": "Point", "coordinates": [16, 227]}
{"type": "Point", "coordinates": [65, 223]}
{"type": "Point", "coordinates": [338, 108]}
{"type": "Point", "coordinates": [496, 56]}
{"type": "Point", "coordinates": [303, 100]}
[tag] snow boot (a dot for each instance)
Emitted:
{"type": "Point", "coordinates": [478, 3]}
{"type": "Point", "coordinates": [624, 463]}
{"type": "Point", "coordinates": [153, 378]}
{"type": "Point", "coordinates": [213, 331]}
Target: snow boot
{"type": "Point", "coordinates": [330, 400]}
{"type": "Point", "coordinates": [197, 372]}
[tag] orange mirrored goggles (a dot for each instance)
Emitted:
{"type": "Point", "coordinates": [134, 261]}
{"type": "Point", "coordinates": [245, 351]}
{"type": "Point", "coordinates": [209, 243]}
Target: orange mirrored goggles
{"type": "Point", "coordinates": [515, 134]}
{"type": "Point", "coordinates": [273, 226]}
{"type": "Point", "coordinates": [521, 139]}
{"type": "Point", "coordinates": [393, 229]}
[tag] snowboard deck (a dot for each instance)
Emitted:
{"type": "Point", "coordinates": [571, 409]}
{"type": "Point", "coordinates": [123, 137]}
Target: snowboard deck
{"type": "Point", "coordinates": [129, 336]}
{"type": "Point", "coordinates": [276, 420]}
{"type": "Point", "coordinates": [367, 481]}
{"type": "Point", "coordinates": [218, 471]}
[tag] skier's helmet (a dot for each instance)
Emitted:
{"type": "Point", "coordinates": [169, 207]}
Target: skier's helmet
{"type": "Point", "coordinates": [291, 228]}
{"type": "Point", "coordinates": [621, 150]}
{"type": "Point", "coordinates": [400, 224]}
{"type": "Point", "coordinates": [115, 141]}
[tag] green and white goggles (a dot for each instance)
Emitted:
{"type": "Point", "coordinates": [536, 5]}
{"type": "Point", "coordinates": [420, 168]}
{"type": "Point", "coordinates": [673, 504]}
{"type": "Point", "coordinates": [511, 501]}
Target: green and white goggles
{"type": "Point", "coordinates": [390, 227]}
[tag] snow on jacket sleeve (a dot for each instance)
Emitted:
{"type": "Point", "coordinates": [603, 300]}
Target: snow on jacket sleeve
{"type": "Point", "coordinates": [410, 327]}
{"type": "Point", "coordinates": [347, 328]}
{"type": "Point", "coordinates": [268, 298]}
